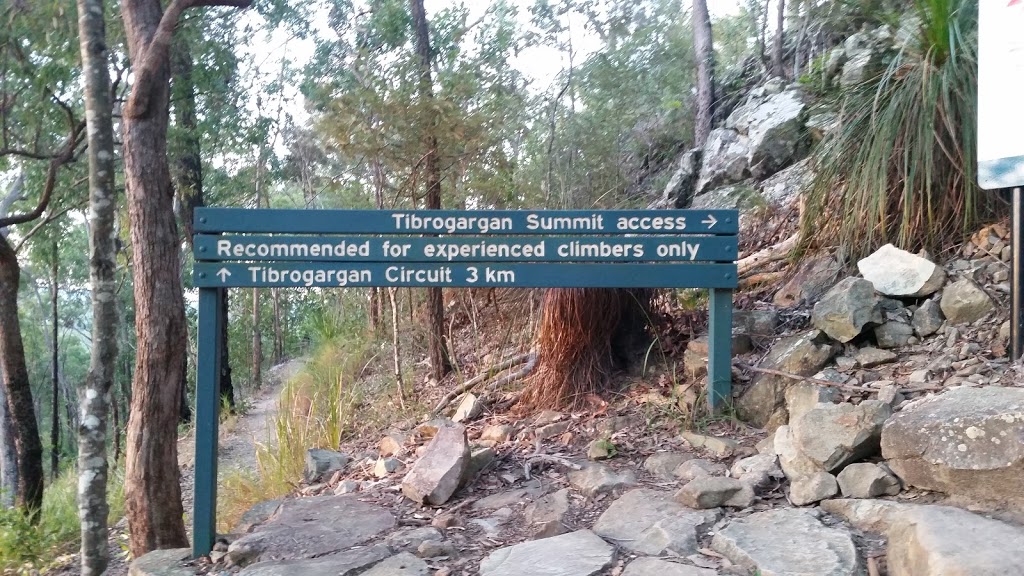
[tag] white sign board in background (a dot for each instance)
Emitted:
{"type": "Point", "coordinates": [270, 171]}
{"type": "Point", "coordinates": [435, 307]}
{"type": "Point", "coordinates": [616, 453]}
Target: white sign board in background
{"type": "Point", "coordinates": [1000, 93]}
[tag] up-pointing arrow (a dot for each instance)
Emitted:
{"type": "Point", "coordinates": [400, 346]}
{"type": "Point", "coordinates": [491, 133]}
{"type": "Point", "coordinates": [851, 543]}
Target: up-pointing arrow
{"type": "Point", "coordinates": [710, 221]}
{"type": "Point", "coordinates": [223, 273]}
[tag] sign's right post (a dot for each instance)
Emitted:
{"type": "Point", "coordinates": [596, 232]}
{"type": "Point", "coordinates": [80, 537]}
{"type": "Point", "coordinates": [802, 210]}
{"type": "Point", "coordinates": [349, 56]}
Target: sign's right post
{"type": "Point", "coordinates": [719, 387]}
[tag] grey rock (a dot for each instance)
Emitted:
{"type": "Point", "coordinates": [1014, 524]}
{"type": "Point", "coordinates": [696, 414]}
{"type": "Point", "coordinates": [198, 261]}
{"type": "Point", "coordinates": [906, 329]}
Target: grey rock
{"type": "Point", "coordinates": [793, 462]}
{"type": "Point", "coordinates": [257, 514]}
{"type": "Point", "coordinates": [664, 464]}
{"type": "Point", "coordinates": [899, 273]}
{"type": "Point", "coordinates": [705, 492]}
{"type": "Point", "coordinates": [833, 435]}
{"type": "Point", "coordinates": [788, 542]}
{"type": "Point", "coordinates": [758, 325]}
{"type": "Point", "coordinates": [479, 460]}
{"type": "Point", "coordinates": [551, 430]}
{"type": "Point", "coordinates": [821, 124]}
{"type": "Point", "coordinates": [763, 404]}
{"type": "Point", "coordinates": [505, 499]}
{"type": "Point", "coordinates": [429, 429]}
{"type": "Point", "coordinates": [928, 318]}
{"type": "Point", "coordinates": [497, 434]}
{"type": "Point", "coordinates": [409, 539]}
{"type": "Point", "coordinates": [758, 471]}
{"type": "Point", "coordinates": [784, 186]}
{"type": "Point", "coordinates": [868, 515]}
{"type": "Point", "coordinates": [596, 479]}
{"type": "Point", "coordinates": [870, 357]}
{"type": "Point", "coordinates": [803, 397]}
{"type": "Point", "coordinates": [403, 564]}
{"type": "Point", "coordinates": [867, 480]}
{"type": "Point", "coordinates": [347, 487]}
{"type": "Point", "coordinates": [438, 473]}
{"type": "Point", "coordinates": [308, 527]}
{"type": "Point", "coordinates": [890, 394]}
{"type": "Point", "coordinates": [698, 467]}
{"type": "Point", "coordinates": [965, 442]}
{"type": "Point", "coordinates": [492, 525]}
{"type": "Point", "coordinates": [893, 335]}
{"type": "Point", "coordinates": [940, 540]}
{"type": "Point", "coordinates": [546, 515]}
{"type": "Point", "coordinates": [655, 567]}
{"type": "Point", "coordinates": [320, 463]}
{"type": "Point", "coordinates": [600, 449]}
{"type": "Point", "coordinates": [434, 548]}
{"type": "Point", "coordinates": [580, 553]}
{"type": "Point", "coordinates": [814, 488]}
{"type": "Point", "coordinates": [649, 522]}
{"type": "Point", "coordinates": [813, 277]}
{"type": "Point", "coordinates": [724, 160]}
{"type": "Point", "coordinates": [773, 125]}
{"type": "Point", "coordinates": [741, 196]}
{"type": "Point", "coordinates": [341, 564]}
{"type": "Point", "coordinates": [469, 408]}
{"type": "Point", "coordinates": [719, 446]}
{"type": "Point", "coordinates": [169, 562]}
{"type": "Point", "coordinates": [858, 67]}
{"type": "Point", "coordinates": [964, 302]}
{"type": "Point", "coordinates": [846, 309]}
{"type": "Point", "coordinates": [682, 185]}
{"type": "Point", "coordinates": [385, 466]}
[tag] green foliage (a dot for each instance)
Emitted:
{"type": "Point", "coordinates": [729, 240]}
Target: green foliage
{"type": "Point", "coordinates": [25, 547]}
{"type": "Point", "coordinates": [901, 168]}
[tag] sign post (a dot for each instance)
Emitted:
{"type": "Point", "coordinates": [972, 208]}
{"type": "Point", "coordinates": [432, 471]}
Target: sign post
{"type": "Point", "coordinates": [1001, 127]}
{"type": "Point", "coordinates": [513, 248]}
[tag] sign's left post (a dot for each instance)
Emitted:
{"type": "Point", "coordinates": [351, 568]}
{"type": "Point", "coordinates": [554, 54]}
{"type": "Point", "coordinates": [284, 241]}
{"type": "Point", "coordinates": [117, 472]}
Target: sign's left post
{"type": "Point", "coordinates": [204, 510]}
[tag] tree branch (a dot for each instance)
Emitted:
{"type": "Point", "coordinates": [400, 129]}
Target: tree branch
{"type": "Point", "coordinates": [159, 49]}
{"type": "Point", "coordinates": [65, 155]}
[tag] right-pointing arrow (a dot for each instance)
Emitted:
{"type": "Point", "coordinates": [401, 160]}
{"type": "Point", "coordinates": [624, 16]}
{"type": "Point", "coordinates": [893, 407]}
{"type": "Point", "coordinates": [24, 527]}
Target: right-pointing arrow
{"type": "Point", "coordinates": [710, 221]}
{"type": "Point", "coordinates": [223, 273]}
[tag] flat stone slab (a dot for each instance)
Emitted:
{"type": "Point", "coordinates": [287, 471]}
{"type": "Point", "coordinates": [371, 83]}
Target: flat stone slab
{"type": "Point", "coordinates": [788, 542]}
{"type": "Point", "coordinates": [580, 553]}
{"type": "Point", "coordinates": [162, 563]}
{"type": "Point", "coordinates": [310, 527]}
{"type": "Point", "coordinates": [656, 567]}
{"type": "Point", "coordinates": [596, 479]}
{"type": "Point", "coordinates": [941, 540]}
{"type": "Point", "coordinates": [650, 522]}
{"type": "Point", "coordinates": [403, 564]}
{"type": "Point", "coordinates": [333, 565]}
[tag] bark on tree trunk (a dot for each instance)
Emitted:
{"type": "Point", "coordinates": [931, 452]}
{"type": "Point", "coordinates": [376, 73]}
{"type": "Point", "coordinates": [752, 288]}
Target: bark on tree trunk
{"type": "Point", "coordinates": [275, 298]}
{"type": "Point", "coordinates": [8, 458]}
{"type": "Point", "coordinates": [16, 386]}
{"type": "Point", "coordinates": [777, 42]}
{"type": "Point", "coordinates": [95, 397]}
{"type": "Point", "coordinates": [440, 362]}
{"type": "Point", "coordinates": [54, 369]}
{"type": "Point", "coordinates": [257, 342]}
{"type": "Point", "coordinates": [705, 56]}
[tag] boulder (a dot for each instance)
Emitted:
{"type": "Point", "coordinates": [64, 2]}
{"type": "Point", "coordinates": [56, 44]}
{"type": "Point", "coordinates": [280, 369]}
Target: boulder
{"type": "Point", "coordinates": [741, 196]}
{"type": "Point", "coordinates": [773, 124]}
{"type": "Point", "coordinates": [813, 277]}
{"type": "Point", "coordinates": [966, 442]}
{"type": "Point", "coordinates": [964, 302]}
{"type": "Point", "coordinates": [846, 309]}
{"type": "Point", "coordinates": [900, 274]}
{"type": "Point", "coordinates": [724, 160]}
{"type": "Point", "coordinates": [834, 435]}
{"type": "Point", "coordinates": [788, 542]}
{"type": "Point", "coordinates": [813, 488]}
{"type": "Point", "coordinates": [868, 515]}
{"type": "Point", "coordinates": [757, 471]}
{"type": "Point", "coordinates": [758, 325]}
{"type": "Point", "coordinates": [802, 397]}
{"type": "Point", "coordinates": [793, 462]}
{"type": "Point", "coordinates": [682, 185]}
{"type": "Point", "coordinates": [893, 334]}
{"type": "Point", "coordinates": [596, 479]}
{"type": "Point", "coordinates": [869, 357]}
{"type": "Point", "coordinates": [763, 404]}
{"type": "Point", "coordinates": [859, 66]}
{"type": "Point", "coordinates": [941, 540]}
{"type": "Point", "coordinates": [649, 522]}
{"type": "Point", "coordinates": [654, 567]}
{"type": "Point", "coordinates": [320, 463]}
{"type": "Point", "coordinates": [580, 553]}
{"type": "Point", "coordinates": [546, 515]}
{"type": "Point", "coordinates": [928, 318]}
{"type": "Point", "coordinates": [784, 186]}
{"type": "Point", "coordinates": [704, 492]}
{"type": "Point", "coordinates": [439, 471]}
{"type": "Point", "coordinates": [664, 464]}
{"type": "Point", "coordinates": [867, 480]}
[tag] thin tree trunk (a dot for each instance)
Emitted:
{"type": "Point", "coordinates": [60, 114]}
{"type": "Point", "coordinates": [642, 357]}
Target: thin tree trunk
{"type": "Point", "coordinates": [227, 389]}
{"type": "Point", "coordinates": [397, 349]}
{"type": "Point", "coordinates": [777, 42]}
{"type": "Point", "coordinates": [257, 341]}
{"type": "Point", "coordinates": [705, 56]}
{"type": "Point", "coordinates": [54, 368]}
{"type": "Point", "coordinates": [95, 396]}
{"type": "Point", "coordinates": [275, 298]}
{"type": "Point", "coordinates": [440, 362]}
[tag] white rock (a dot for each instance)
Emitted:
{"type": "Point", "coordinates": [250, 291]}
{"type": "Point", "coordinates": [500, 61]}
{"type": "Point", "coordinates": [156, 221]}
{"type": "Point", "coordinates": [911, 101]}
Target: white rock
{"type": "Point", "coordinates": [896, 272]}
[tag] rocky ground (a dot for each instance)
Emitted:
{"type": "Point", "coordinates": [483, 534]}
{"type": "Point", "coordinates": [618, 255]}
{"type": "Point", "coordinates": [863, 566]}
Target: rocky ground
{"type": "Point", "coordinates": [879, 432]}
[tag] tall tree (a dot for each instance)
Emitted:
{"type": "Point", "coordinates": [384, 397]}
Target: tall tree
{"type": "Point", "coordinates": [705, 54]}
{"type": "Point", "coordinates": [777, 42]}
{"type": "Point", "coordinates": [152, 492]}
{"type": "Point", "coordinates": [54, 362]}
{"type": "Point", "coordinates": [95, 395]}
{"type": "Point", "coordinates": [440, 363]}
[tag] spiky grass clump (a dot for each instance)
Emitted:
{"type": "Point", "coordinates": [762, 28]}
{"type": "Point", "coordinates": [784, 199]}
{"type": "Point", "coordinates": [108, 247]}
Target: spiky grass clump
{"type": "Point", "coordinates": [901, 167]}
{"type": "Point", "coordinates": [582, 332]}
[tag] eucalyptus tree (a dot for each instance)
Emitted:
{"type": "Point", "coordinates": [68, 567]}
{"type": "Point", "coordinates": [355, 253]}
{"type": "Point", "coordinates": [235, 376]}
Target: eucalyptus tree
{"type": "Point", "coordinates": [704, 53]}
{"type": "Point", "coordinates": [152, 493]}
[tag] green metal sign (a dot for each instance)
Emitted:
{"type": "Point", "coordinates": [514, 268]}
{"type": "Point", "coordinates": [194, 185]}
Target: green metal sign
{"type": "Point", "coordinates": [237, 248]}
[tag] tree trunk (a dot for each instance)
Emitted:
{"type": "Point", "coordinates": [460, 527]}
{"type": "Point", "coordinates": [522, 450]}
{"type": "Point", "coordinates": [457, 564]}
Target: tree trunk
{"type": "Point", "coordinates": [257, 342]}
{"type": "Point", "coordinates": [705, 55]}
{"type": "Point", "coordinates": [396, 348]}
{"type": "Point", "coordinates": [54, 368]}
{"type": "Point", "coordinates": [275, 298]}
{"type": "Point", "coordinates": [777, 42]}
{"type": "Point", "coordinates": [16, 386]}
{"type": "Point", "coordinates": [440, 362]}
{"type": "Point", "coordinates": [8, 458]}
{"type": "Point", "coordinates": [95, 397]}
{"type": "Point", "coordinates": [227, 389]}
